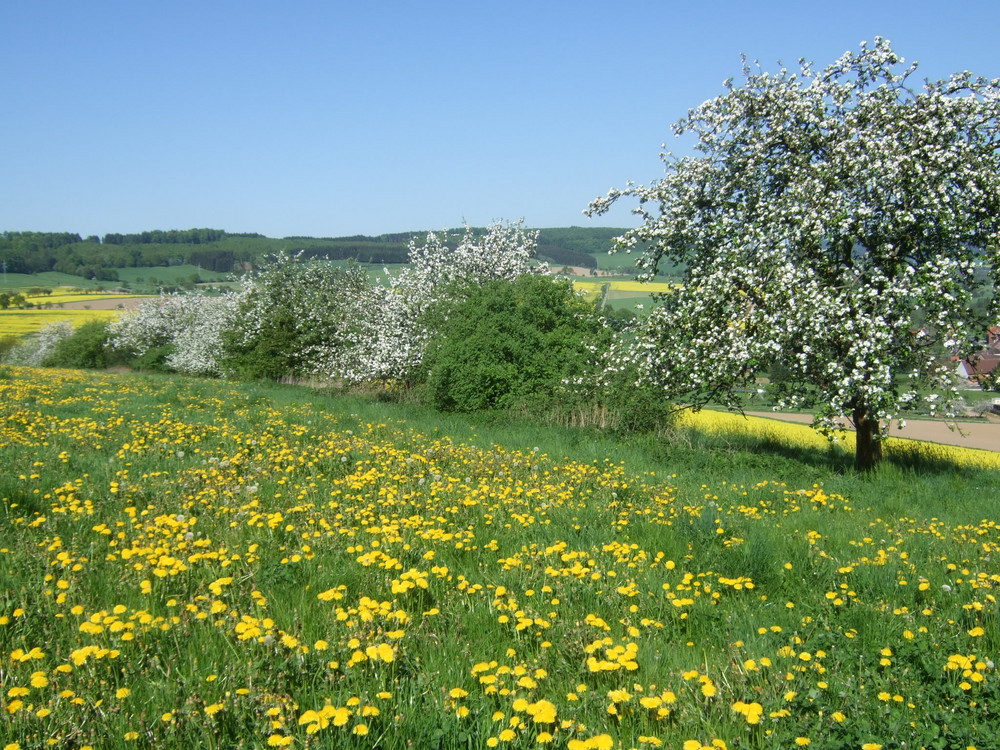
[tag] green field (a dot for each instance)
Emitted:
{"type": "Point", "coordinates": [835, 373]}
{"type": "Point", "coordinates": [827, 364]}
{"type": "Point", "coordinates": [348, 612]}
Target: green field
{"type": "Point", "coordinates": [19, 282]}
{"type": "Point", "coordinates": [146, 278]}
{"type": "Point", "coordinates": [187, 563]}
{"type": "Point", "coordinates": [168, 275]}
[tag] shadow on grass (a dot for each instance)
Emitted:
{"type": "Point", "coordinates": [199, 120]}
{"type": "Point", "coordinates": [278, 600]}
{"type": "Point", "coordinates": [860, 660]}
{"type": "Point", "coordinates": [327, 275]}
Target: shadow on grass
{"type": "Point", "coordinates": [679, 449]}
{"type": "Point", "coordinates": [754, 452]}
{"type": "Point", "coordinates": [922, 463]}
{"type": "Point", "coordinates": [732, 451]}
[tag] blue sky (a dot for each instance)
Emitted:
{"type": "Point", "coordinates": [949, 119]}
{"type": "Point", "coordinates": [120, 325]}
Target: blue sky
{"type": "Point", "coordinates": [334, 118]}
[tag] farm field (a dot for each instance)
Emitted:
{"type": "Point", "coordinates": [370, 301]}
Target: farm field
{"type": "Point", "coordinates": [187, 563]}
{"type": "Point", "coordinates": [73, 306]}
{"type": "Point", "coordinates": [26, 322]}
{"type": "Point", "coordinates": [624, 286]}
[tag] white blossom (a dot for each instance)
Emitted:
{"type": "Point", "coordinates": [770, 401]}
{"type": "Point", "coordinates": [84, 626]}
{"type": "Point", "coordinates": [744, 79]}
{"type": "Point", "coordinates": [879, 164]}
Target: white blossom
{"type": "Point", "coordinates": [191, 324]}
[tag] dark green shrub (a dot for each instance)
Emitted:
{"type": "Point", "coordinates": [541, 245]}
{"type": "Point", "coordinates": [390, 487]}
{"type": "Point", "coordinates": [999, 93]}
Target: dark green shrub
{"type": "Point", "coordinates": [642, 408]}
{"type": "Point", "coordinates": [154, 359]}
{"type": "Point", "coordinates": [509, 343]}
{"type": "Point", "coordinates": [86, 348]}
{"type": "Point", "coordinates": [272, 354]}
{"type": "Point", "coordinates": [7, 343]}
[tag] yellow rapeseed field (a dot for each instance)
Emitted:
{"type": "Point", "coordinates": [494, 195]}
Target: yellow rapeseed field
{"type": "Point", "coordinates": [20, 322]}
{"type": "Point", "coordinates": [594, 287]}
{"type": "Point", "coordinates": [805, 436]}
{"type": "Point", "coordinates": [26, 322]}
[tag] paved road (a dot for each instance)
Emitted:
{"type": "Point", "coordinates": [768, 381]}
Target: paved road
{"type": "Point", "coordinates": [984, 435]}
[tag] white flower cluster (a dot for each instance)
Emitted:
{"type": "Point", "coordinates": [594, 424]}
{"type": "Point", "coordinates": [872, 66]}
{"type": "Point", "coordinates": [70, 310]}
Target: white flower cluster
{"type": "Point", "coordinates": [831, 222]}
{"type": "Point", "coordinates": [190, 324]}
{"type": "Point", "coordinates": [32, 351]}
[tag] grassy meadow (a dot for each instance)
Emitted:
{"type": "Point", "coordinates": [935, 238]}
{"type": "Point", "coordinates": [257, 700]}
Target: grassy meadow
{"type": "Point", "coordinates": [186, 563]}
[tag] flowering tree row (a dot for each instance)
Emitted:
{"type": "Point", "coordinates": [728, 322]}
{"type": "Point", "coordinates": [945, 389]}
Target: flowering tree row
{"type": "Point", "coordinates": [313, 319]}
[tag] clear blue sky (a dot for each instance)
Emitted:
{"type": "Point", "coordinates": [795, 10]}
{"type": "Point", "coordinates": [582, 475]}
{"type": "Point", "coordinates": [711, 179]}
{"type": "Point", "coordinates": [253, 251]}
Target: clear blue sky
{"type": "Point", "coordinates": [335, 118]}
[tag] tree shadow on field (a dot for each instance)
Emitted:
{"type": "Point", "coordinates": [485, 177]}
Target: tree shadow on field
{"type": "Point", "coordinates": [921, 462]}
{"type": "Point", "coordinates": [734, 451]}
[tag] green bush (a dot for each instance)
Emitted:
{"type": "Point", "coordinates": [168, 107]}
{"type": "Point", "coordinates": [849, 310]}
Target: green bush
{"type": "Point", "coordinates": [154, 359]}
{"type": "Point", "coordinates": [7, 343]}
{"type": "Point", "coordinates": [272, 354]}
{"type": "Point", "coordinates": [509, 343]}
{"type": "Point", "coordinates": [86, 348]}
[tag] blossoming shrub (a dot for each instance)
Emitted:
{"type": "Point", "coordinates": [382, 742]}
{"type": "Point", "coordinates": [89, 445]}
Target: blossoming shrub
{"type": "Point", "coordinates": [441, 269]}
{"type": "Point", "coordinates": [34, 349]}
{"type": "Point", "coordinates": [292, 319]}
{"type": "Point", "coordinates": [180, 332]}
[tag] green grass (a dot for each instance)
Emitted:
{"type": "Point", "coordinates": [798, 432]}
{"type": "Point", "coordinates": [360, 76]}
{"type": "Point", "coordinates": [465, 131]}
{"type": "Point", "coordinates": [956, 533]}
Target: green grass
{"type": "Point", "coordinates": [18, 282]}
{"type": "Point", "coordinates": [168, 275]}
{"type": "Point", "coordinates": [193, 563]}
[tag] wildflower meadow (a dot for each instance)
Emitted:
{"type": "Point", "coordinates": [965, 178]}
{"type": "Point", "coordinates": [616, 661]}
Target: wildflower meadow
{"type": "Point", "coordinates": [188, 563]}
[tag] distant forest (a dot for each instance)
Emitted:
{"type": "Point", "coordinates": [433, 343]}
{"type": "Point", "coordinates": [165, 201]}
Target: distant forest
{"type": "Point", "coordinates": [220, 251]}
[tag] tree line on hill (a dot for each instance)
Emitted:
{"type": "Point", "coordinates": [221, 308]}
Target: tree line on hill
{"type": "Point", "coordinates": [220, 251]}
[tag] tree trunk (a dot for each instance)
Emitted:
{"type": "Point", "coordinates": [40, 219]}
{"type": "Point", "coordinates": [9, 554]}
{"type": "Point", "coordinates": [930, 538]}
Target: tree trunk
{"type": "Point", "coordinates": [868, 438]}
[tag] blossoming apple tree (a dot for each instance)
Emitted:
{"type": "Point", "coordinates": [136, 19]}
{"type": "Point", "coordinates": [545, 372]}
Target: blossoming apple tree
{"type": "Point", "coordinates": [836, 223]}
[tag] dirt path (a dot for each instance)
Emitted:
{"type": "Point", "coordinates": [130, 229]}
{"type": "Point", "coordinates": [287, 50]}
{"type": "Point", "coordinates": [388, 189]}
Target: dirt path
{"type": "Point", "coordinates": [106, 303]}
{"type": "Point", "coordinates": [984, 435]}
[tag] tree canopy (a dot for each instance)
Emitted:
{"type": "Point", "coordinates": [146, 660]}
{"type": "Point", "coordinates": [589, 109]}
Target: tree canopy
{"type": "Point", "coordinates": [836, 223]}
